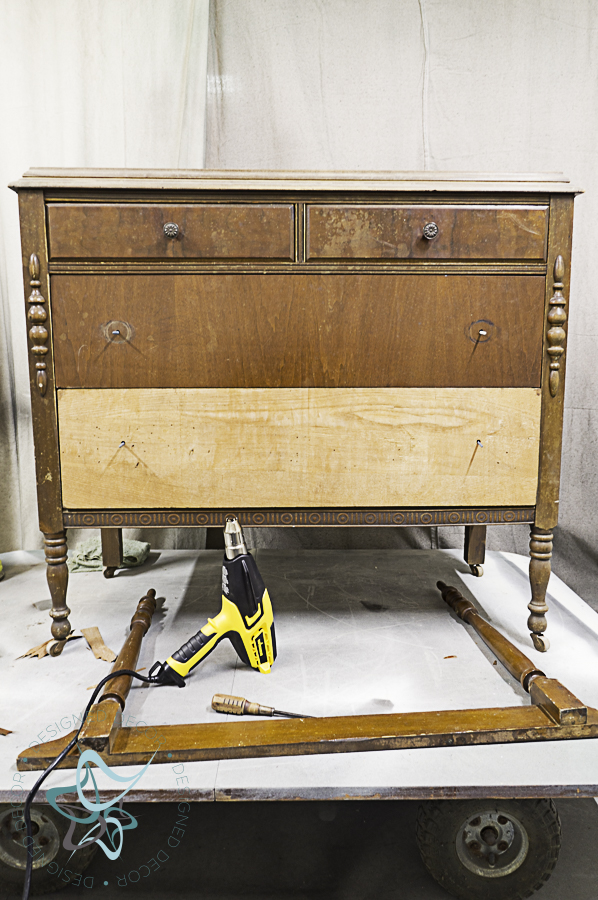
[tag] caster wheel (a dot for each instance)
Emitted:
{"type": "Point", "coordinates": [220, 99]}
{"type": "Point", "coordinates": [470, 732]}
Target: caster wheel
{"type": "Point", "coordinates": [540, 642]}
{"type": "Point", "coordinates": [476, 570]}
{"type": "Point", "coordinates": [55, 648]}
{"type": "Point", "coordinates": [109, 571]}
{"type": "Point", "coordinates": [51, 859]}
{"type": "Point", "coordinates": [489, 849]}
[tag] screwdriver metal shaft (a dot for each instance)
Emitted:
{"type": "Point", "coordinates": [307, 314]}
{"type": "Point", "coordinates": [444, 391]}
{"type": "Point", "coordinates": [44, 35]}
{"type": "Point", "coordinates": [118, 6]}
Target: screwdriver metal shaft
{"type": "Point", "coordinates": [239, 706]}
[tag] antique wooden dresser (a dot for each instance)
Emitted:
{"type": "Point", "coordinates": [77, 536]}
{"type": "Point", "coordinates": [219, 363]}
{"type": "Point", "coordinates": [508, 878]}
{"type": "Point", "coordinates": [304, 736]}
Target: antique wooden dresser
{"type": "Point", "coordinates": [296, 348]}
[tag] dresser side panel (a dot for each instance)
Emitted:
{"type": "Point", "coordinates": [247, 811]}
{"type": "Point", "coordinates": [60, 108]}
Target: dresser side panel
{"type": "Point", "coordinates": [551, 429]}
{"type": "Point", "coordinates": [43, 404]}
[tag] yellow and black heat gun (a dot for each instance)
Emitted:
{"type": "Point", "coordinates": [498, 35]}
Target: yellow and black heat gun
{"type": "Point", "coordinates": [246, 617]}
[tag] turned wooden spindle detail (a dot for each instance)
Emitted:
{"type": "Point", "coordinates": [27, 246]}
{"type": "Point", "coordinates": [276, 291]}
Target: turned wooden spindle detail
{"type": "Point", "coordinates": [58, 575]}
{"type": "Point", "coordinates": [118, 688]}
{"type": "Point", "coordinates": [522, 668]}
{"type": "Point", "coordinates": [38, 333]}
{"type": "Point", "coordinates": [557, 318]}
{"type": "Point", "coordinates": [540, 551]}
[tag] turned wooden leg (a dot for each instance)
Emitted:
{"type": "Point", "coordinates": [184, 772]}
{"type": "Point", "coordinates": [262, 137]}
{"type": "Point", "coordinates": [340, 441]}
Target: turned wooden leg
{"type": "Point", "coordinates": [474, 552]}
{"type": "Point", "coordinates": [57, 574]}
{"type": "Point", "coordinates": [540, 551]}
{"type": "Point", "coordinates": [112, 550]}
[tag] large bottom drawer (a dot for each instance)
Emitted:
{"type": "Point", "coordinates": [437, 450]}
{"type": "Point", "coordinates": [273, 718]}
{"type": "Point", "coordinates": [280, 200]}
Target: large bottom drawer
{"type": "Point", "coordinates": [298, 447]}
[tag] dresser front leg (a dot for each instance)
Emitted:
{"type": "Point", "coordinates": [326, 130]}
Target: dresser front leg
{"type": "Point", "coordinates": [540, 551]}
{"type": "Point", "coordinates": [57, 574]}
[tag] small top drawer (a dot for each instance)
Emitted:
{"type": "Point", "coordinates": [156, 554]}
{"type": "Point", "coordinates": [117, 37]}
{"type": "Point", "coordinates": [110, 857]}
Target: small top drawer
{"type": "Point", "coordinates": [192, 231]}
{"type": "Point", "coordinates": [426, 232]}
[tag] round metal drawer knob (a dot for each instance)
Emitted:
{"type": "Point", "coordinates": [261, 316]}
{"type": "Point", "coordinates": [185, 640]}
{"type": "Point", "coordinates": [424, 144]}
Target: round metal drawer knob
{"type": "Point", "coordinates": [171, 230]}
{"type": "Point", "coordinates": [430, 231]}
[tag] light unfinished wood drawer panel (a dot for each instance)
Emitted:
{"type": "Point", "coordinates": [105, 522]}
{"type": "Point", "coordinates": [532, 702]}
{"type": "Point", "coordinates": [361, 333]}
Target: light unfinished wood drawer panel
{"type": "Point", "coordinates": [256, 447]}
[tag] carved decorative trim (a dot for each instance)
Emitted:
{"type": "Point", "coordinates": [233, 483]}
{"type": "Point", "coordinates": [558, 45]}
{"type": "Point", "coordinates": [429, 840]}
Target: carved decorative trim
{"type": "Point", "coordinates": [174, 518]}
{"type": "Point", "coordinates": [540, 546]}
{"type": "Point", "coordinates": [38, 333]}
{"type": "Point", "coordinates": [556, 335]}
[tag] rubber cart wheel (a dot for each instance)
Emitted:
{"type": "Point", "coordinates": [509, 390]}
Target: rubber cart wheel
{"type": "Point", "coordinates": [489, 849]}
{"type": "Point", "coordinates": [53, 866]}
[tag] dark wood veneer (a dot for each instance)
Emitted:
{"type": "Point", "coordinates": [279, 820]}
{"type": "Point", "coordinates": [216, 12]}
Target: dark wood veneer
{"type": "Point", "coordinates": [136, 230]}
{"type": "Point", "coordinates": [397, 232]}
{"type": "Point", "coordinates": [339, 330]}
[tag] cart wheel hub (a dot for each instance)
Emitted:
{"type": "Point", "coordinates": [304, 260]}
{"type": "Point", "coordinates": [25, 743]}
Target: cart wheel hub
{"type": "Point", "coordinates": [492, 844]}
{"type": "Point", "coordinates": [13, 839]}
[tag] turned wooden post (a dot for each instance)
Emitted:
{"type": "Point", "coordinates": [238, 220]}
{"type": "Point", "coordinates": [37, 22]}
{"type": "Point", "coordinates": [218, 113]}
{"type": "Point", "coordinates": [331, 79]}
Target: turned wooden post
{"type": "Point", "coordinates": [57, 574]}
{"type": "Point", "coordinates": [540, 551]}
{"type": "Point", "coordinates": [516, 662]}
{"type": "Point", "coordinates": [118, 688]}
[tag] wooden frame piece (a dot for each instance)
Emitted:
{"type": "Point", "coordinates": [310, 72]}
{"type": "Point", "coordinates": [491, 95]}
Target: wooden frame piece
{"type": "Point", "coordinates": [555, 714]}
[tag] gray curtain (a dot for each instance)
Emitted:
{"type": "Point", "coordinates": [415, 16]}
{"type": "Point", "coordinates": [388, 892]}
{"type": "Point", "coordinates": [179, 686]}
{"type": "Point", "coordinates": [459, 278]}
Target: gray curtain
{"type": "Point", "coordinates": [82, 83]}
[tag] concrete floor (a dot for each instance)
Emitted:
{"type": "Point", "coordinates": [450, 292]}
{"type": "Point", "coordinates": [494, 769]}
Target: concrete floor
{"type": "Point", "coordinates": [348, 850]}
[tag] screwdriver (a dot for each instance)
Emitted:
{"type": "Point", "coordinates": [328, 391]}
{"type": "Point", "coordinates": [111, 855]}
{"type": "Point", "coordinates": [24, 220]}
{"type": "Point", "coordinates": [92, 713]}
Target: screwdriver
{"type": "Point", "coordinates": [239, 706]}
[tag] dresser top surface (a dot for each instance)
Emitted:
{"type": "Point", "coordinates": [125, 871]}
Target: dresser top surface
{"type": "Point", "coordinates": [231, 179]}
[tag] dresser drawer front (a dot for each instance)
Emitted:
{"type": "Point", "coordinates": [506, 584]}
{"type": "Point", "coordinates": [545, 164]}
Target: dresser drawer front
{"type": "Point", "coordinates": [398, 232]}
{"type": "Point", "coordinates": [312, 330]}
{"type": "Point", "coordinates": [136, 231]}
{"type": "Point", "coordinates": [298, 447]}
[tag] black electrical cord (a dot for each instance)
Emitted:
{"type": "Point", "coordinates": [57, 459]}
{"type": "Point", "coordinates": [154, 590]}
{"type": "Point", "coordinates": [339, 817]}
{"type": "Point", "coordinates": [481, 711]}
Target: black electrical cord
{"type": "Point", "coordinates": [151, 679]}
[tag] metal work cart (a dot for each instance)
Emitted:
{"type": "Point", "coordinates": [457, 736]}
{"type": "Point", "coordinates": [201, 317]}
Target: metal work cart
{"type": "Point", "coordinates": [359, 633]}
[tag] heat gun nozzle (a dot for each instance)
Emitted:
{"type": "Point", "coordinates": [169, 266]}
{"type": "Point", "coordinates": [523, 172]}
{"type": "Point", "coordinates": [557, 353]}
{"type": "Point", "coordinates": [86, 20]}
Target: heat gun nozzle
{"type": "Point", "coordinates": [234, 542]}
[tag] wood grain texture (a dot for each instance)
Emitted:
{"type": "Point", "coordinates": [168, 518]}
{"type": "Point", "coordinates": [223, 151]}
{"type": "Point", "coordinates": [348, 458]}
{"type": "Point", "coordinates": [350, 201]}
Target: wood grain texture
{"type": "Point", "coordinates": [252, 180]}
{"type": "Point", "coordinates": [43, 406]}
{"type": "Point", "coordinates": [298, 447]}
{"type": "Point", "coordinates": [547, 511]}
{"type": "Point", "coordinates": [112, 547]}
{"type": "Point", "coordinates": [136, 230]}
{"type": "Point", "coordinates": [305, 737]}
{"type": "Point", "coordinates": [397, 232]}
{"type": "Point", "coordinates": [343, 330]}
{"type": "Point", "coordinates": [474, 551]}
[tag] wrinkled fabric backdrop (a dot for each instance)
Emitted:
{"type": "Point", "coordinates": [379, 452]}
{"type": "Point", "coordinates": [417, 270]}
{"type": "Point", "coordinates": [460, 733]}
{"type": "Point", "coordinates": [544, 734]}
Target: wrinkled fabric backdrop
{"type": "Point", "coordinates": [318, 84]}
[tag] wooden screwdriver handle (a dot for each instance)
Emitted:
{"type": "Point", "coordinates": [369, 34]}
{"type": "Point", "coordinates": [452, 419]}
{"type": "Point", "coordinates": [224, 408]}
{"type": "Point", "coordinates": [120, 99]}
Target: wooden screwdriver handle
{"type": "Point", "coordinates": [239, 706]}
